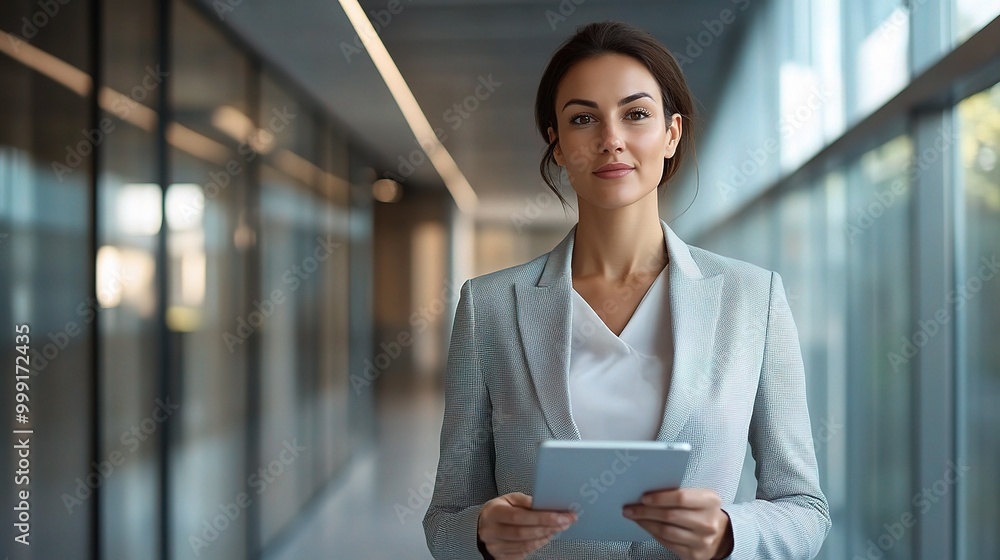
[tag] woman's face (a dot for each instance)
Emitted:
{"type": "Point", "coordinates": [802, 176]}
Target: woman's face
{"type": "Point", "coordinates": [594, 130]}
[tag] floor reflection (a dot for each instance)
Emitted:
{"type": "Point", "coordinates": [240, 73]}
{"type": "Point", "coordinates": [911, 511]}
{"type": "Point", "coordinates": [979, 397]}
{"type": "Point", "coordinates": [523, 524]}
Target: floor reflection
{"type": "Point", "coordinates": [374, 510]}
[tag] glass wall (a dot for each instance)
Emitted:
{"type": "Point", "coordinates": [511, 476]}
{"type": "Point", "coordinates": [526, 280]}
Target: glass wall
{"type": "Point", "coordinates": [841, 228]}
{"type": "Point", "coordinates": [878, 43]}
{"type": "Point", "coordinates": [207, 290]}
{"type": "Point", "coordinates": [217, 184]}
{"type": "Point", "coordinates": [130, 219]}
{"type": "Point", "coordinates": [969, 16]}
{"type": "Point", "coordinates": [880, 372]}
{"type": "Point", "coordinates": [829, 403]}
{"type": "Point", "coordinates": [290, 270]}
{"type": "Point", "coordinates": [977, 300]}
{"type": "Point", "coordinates": [47, 306]}
{"type": "Point", "coordinates": [843, 254]}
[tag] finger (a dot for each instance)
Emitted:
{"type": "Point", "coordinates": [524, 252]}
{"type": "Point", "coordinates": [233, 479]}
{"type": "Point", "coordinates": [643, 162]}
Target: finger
{"type": "Point", "coordinates": [519, 533]}
{"type": "Point", "coordinates": [690, 498]}
{"type": "Point", "coordinates": [696, 521]}
{"type": "Point", "coordinates": [671, 536]}
{"type": "Point", "coordinates": [521, 516]}
{"type": "Point", "coordinates": [502, 550]}
{"type": "Point", "coordinates": [519, 499]}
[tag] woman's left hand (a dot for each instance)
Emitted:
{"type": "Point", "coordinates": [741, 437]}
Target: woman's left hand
{"type": "Point", "coordinates": [687, 521]}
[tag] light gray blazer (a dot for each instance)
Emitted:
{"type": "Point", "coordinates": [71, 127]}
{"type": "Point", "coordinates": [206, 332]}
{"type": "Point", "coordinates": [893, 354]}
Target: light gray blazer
{"type": "Point", "coordinates": [737, 377]}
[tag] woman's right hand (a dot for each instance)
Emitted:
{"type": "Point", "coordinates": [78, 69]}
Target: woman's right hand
{"type": "Point", "coordinates": [511, 530]}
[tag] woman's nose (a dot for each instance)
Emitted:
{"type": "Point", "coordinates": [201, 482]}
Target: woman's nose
{"type": "Point", "coordinates": [610, 139]}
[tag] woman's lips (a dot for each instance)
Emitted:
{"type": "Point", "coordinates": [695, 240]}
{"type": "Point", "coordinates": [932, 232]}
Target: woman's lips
{"type": "Point", "coordinates": [613, 174]}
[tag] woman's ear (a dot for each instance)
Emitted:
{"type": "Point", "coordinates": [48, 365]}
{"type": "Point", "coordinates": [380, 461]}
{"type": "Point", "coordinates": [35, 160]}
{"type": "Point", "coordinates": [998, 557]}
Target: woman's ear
{"type": "Point", "coordinates": [557, 152]}
{"type": "Point", "coordinates": [673, 136]}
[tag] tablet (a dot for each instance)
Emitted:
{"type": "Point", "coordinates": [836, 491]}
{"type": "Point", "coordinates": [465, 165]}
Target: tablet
{"type": "Point", "coordinates": [597, 478]}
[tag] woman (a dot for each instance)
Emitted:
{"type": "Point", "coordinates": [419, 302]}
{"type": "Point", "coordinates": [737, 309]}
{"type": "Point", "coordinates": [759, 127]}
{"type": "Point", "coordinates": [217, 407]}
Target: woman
{"type": "Point", "coordinates": [580, 344]}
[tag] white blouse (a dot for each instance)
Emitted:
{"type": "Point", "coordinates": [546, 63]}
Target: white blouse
{"type": "Point", "coordinates": [618, 384]}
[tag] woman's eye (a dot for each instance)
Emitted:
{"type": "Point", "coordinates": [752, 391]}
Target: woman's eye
{"type": "Point", "coordinates": [644, 114]}
{"type": "Point", "coordinates": [636, 115]}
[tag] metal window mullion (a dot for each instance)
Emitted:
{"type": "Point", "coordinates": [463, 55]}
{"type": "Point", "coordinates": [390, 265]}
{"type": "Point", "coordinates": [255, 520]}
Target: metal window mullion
{"type": "Point", "coordinates": [932, 247]}
{"type": "Point", "coordinates": [94, 241]}
{"type": "Point", "coordinates": [932, 251]}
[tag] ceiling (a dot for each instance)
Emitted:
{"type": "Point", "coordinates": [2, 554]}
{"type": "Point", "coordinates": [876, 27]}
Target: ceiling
{"type": "Point", "coordinates": [443, 48]}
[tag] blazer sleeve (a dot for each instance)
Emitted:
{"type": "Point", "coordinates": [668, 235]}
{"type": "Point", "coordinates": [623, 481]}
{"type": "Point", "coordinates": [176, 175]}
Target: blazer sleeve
{"type": "Point", "coordinates": [465, 474]}
{"type": "Point", "coordinates": [790, 517]}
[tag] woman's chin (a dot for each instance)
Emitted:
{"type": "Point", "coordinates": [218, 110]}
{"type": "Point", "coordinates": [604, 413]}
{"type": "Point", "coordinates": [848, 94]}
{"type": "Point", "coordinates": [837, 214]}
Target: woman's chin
{"type": "Point", "coordinates": [610, 196]}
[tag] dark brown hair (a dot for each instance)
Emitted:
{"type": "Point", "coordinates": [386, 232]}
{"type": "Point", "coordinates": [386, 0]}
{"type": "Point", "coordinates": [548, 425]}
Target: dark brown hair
{"type": "Point", "coordinates": [615, 37]}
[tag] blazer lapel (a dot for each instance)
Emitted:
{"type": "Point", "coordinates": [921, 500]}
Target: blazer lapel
{"type": "Point", "coordinates": [545, 323]}
{"type": "Point", "coordinates": [694, 310]}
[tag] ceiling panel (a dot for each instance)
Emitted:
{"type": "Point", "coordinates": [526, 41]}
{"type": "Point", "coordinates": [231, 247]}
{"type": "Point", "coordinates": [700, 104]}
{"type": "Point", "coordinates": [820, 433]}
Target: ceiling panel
{"type": "Point", "coordinates": [444, 47]}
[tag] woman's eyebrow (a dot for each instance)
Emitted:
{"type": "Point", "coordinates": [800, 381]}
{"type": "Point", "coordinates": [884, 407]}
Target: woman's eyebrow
{"type": "Point", "coordinates": [624, 100]}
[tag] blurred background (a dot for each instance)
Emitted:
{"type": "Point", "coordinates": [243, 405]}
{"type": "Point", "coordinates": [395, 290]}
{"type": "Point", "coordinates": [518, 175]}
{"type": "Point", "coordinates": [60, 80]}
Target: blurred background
{"type": "Point", "coordinates": [235, 231]}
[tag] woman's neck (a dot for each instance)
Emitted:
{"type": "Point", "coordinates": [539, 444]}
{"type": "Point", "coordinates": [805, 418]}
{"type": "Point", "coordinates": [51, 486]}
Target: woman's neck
{"type": "Point", "coordinates": [619, 244]}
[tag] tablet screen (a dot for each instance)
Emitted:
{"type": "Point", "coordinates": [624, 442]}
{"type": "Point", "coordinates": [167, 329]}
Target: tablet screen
{"type": "Point", "coordinates": [596, 479]}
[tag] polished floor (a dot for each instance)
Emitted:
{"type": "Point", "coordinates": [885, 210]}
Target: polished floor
{"type": "Point", "coordinates": [374, 510]}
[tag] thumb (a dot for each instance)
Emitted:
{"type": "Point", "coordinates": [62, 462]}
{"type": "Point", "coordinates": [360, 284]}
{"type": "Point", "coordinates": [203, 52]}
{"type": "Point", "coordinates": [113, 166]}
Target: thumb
{"type": "Point", "coordinates": [519, 499]}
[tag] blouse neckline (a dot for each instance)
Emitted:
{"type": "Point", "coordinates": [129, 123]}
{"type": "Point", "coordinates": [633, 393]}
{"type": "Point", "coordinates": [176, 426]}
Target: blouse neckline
{"type": "Point", "coordinates": [640, 309]}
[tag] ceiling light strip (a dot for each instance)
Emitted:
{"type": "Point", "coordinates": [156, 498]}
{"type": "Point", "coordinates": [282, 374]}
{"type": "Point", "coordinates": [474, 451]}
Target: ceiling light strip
{"type": "Point", "coordinates": [465, 197]}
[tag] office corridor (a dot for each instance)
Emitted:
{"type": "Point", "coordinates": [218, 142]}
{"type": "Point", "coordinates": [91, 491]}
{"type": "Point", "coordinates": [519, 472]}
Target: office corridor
{"type": "Point", "coordinates": [373, 511]}
{"type": "Point", "coordinates": [233, 236]}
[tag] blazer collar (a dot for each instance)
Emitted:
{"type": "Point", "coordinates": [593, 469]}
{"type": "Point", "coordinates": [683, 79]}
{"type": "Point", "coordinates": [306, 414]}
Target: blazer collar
{"type": "Point", "coordinates": [545, 323]}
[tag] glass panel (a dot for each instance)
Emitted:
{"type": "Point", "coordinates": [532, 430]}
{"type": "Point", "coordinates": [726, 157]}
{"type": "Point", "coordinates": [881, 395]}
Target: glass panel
{"type": "Point", "coordinates": [332, 379]}
{"type": "Point", "coordinates": [297, 250]}
{"type": "Point", "coordinates": [207, 307]}
{"type": "Point", "coordinates": [977, 299]}
{"type": "Point", "coordinates": [830, 431]}
{"type": "Point", "coordinates": [880, 369]}
{"type": "Point", "coordinates": [286, 341]}
{"type": "Point", "coordinates": [47, 146]}
{"type": "Point", "coordinates": [335, 386]}
{"type": "Point", "coordinates": [879, 41]}
{"type": "Point", "coordinates": [810, 91]}
{"type": "Point", "coordinates": [130, 218]}
{"type": "Point", "coordinates": [972, 15]}
{"type": "Point", "coordinates": [827, 51]}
